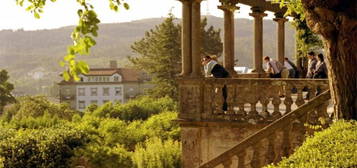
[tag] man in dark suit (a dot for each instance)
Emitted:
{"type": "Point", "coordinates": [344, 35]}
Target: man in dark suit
{"type": "Point", "coordinates": [212, 68]}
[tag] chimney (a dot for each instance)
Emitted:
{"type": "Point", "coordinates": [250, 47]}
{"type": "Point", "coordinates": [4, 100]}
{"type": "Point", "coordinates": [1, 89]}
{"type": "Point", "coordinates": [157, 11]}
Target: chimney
{"type": "Point", "coordinates": [113, 64]}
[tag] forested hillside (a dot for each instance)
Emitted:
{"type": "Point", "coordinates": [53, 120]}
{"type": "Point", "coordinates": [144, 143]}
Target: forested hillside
{"type": "Point", "coordinates": [23, 53]}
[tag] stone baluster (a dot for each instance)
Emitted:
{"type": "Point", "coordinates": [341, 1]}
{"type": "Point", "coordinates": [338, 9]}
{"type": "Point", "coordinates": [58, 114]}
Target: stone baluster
{"type": "Point", "coordinates": [196, 38]}
{"type": "Point", "coordinates": [270, 155]}
{"type": "Point", "coordinates": [218, 98]}
{"type": "Point", "coordinates": [240, 102]}
{"type": "Point", "coordinates": [257, 159]}
{"type": "Point", "coordinates": [228, 8]}
{"type": "Point", "coordinates": [286, 140]}
{"type": "Point", "coordinates": [253, 113]}
{"type": "Point", "coordinates": [241, 159]}
{"type": "Point", "coordinates": [311, 120]}
{"type": "Point", "coordinates": [208, 99]}
{"type": "Point", "coordinates": [322, 112]}
{"type": "Point", "coordinates": [227, 163]}
{"type": "Point", "coordinates": [288, 99]}
{"type": "Point", "coordinates": [230, 98]}
{"type": "Point", "coordinates": [300, 99]}
{"type": "Point", "coordinates": [276, 103]}
{"type": "Point", "coordinates": [264, 101]}
{"type": "Point", "coordinates": [258, 15]}
{"type": "Point", "coordinates": [312, 90]}
{"type": "Point", "coordinates": [186, 38]}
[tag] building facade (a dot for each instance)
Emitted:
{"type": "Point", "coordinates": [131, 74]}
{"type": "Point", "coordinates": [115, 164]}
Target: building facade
{"type": "Point", "coordinates": [102, 85]}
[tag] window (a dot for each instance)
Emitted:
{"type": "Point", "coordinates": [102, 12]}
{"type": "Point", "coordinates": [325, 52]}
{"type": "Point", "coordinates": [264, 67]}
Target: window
{"type": "Point", "coordinates": [94, 91]}
{"type": "Point", "coordinates": [118, 91]}
{"type": "Point", "coordinates": [105, 101]}
{"type": "Point", "coordinates": [81, 92]}
{"type": "Point", "coordinates": [116, 78]}
{"type": "Point", "coordinates": [94, 102]}
{"type": "Point", "coordinates": [105, 91]}
{"type": "Point", "coordinates": [81, 104]}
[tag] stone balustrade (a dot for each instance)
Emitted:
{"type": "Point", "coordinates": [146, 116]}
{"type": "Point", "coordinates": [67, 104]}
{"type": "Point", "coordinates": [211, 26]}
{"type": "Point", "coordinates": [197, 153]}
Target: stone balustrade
{"type": "Point", "coordinates": [276, 140]}
{"type": "Point", "coordinates": [249, 100]}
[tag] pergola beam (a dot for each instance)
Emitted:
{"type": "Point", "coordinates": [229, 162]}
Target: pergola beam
{"type": "Point", "coordinates": [262, 4]}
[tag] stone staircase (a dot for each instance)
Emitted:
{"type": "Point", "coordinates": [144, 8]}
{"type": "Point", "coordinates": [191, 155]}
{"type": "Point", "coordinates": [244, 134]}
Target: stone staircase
{"type": "Point", "coordinates": [276, 140]}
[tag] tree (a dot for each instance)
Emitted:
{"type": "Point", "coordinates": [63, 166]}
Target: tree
{"type": "Point", "coordinates": [336, 22]}
{"type": "Point", "coordinates": [159, 54]}
{"type": "Point", "coordinates": [5, 90]}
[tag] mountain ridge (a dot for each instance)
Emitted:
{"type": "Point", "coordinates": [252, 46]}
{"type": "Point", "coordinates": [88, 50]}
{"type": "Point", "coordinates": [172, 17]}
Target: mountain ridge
{"type": "Point", "coordinates": [23, 51]}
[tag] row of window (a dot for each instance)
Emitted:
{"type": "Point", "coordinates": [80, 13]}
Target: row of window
{"type": "Point", "coordinates": [82, 103]}
{"type": "Point", "coordinates": [100, 79]}
{"type": "Point", "coordinates": [94, 91]}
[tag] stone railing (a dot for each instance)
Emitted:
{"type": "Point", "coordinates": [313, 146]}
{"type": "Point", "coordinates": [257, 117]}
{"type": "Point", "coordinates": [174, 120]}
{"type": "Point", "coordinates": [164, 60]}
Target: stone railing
{"type": "Point", "coordinates": [248, 100]}
{"type": "Point", "coordinates": [276, 140]}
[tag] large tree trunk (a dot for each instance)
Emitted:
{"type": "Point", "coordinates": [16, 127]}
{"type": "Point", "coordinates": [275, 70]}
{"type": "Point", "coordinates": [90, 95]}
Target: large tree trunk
{"type": "Point", "coordinates": [336, 22]}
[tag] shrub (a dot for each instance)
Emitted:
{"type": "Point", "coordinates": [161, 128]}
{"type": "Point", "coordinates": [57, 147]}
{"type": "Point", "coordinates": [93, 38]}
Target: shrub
{"type": "Point", "coordinates": [333, 147]}
{"type": "Point", "coordinates": [45, 121]}
{"type": "Point", "coordinates": [136, 109]}
{"type": "Point", "coordinates": [162, 125]}
{"type": "Point", "coordinates": [105, 157]}
{"type": "Point", "coordinates": [37, 106]}
{"type": "Point", "coordinates": [41, 147]}
{"type": "Point", "coordinates": [155, 153]}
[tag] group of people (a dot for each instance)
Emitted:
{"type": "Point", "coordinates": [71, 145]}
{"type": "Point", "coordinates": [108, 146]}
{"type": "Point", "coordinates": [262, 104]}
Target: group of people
{"type": "Point", "coordinates": [316, 67]}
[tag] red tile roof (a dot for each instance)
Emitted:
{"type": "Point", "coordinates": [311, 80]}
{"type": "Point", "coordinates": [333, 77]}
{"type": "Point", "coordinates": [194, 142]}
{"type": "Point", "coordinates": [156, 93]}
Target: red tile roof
{"type": "Point", "coordinates": [128, 75]}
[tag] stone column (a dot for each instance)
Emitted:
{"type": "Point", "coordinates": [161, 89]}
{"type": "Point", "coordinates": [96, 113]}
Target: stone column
{"type": "Point", "coordinates": [196, 38]}
{"type": "Point", "coordinates": [186, 38]}
{"type": "Point", "coordinates": [258, 15]}
{"type": "Point", "coordinates": [280, 36]}
{"type": "Point", "coordinates": [228, 57]}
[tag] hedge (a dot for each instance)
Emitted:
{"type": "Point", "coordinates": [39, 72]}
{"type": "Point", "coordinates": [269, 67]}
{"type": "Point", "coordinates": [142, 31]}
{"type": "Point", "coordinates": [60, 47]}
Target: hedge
{"type": "Point", "coordinates": [335, 147]}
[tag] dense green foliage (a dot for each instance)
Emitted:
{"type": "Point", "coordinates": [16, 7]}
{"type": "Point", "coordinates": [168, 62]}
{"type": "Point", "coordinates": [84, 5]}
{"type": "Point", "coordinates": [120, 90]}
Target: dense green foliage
{"type": "Point", "coordinates": [137, 109]}
{"type": "Point", "coordinates": [5, 90]}
{"type": "Point", "coordinates": [35, 107]}
{"type": "Point", "coordinates": [306, 40]}
{"type": "Point", "coordinates": [35, 130]}
{"type": "Point", "coordinates": [155, 153]}
{"type": "Point", "coordinates": [333, 147]}
{"type": "Point", "coordinates": [159, 54]}
{"type": "Point", "coordinates": [47, 147]}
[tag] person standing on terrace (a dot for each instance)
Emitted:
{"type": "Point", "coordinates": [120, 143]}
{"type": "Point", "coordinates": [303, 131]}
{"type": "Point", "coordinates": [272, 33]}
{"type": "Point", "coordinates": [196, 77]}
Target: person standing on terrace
{"type": "Point", "coordinates": [274, 68]}
{"type": "Point", "coordinates": [212, 68]}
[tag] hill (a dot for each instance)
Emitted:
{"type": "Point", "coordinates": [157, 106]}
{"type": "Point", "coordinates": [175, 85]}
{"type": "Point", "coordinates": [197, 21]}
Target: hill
{"type": "Point", "coordinates": [32, 57]}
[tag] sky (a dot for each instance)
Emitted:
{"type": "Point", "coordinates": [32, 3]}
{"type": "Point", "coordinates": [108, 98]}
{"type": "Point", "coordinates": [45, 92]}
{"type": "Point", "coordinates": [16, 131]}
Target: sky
{"type": "Point", "coordinates": [64, 13]}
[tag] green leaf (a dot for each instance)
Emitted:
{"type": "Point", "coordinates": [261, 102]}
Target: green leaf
{"type": "Point", "coordinates": [69, 57]}
{"type": "Point", "coordinates": [126, 6]}
{"type": "Point", "coordinates": [83, 67]}
{"type": "Point", "coordinates": [37, 16]}
{"type": "Point", "coordinates": [62, 64]}
{"type": "Point", "coordinates": [29, 8]}
{"type": "Point", "coordinates": [66, 76]}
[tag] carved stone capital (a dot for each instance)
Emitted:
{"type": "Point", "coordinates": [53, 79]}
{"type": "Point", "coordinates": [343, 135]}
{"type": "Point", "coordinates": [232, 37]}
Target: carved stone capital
{"type": "Point", "coordinates": [228, 6]}
{"type": "Point", "coordinates": [280, 19]}
{"type": "Point", "coordinates": [190, 1]}
{"type": "Point", "coordinates": [257, 12]}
